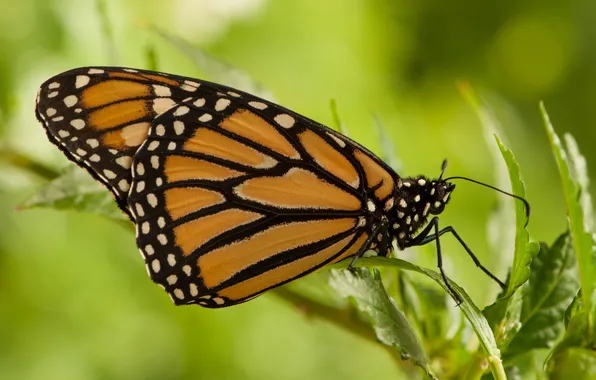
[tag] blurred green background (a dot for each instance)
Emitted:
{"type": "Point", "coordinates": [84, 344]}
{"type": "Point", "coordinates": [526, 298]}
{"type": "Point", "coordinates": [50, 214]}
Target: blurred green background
{"type": "Point", "coordinates": [75, 301]}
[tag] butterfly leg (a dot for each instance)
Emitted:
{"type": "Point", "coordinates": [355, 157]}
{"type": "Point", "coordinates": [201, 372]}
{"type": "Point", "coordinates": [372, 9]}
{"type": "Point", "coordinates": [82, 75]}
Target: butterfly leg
{"type": "Point", "coordinates": [425, 237]}
{"type": "Point", "coordinates": [366, 244]}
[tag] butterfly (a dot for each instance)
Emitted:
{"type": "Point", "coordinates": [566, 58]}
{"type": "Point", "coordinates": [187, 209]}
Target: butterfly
{"type": "Point", "coordinates": [232, 195]}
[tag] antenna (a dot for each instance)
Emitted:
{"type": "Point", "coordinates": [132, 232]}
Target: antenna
{"type": "Point", "coordinates": [526, 204]}
{"type": "Point", "coordinates": [443, 168]}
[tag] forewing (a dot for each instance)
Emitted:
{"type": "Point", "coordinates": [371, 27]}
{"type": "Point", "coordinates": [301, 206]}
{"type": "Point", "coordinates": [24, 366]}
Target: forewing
{"type": "Point", "coordinates": [231, 194]}
{"type": "Point", "coordinates": [99, 116]}
{"type": "Point", "coordinates": [230, 200]}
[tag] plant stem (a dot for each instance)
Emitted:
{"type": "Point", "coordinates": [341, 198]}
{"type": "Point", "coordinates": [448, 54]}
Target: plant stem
{"type": "Point", "coordinates": [22, 161]}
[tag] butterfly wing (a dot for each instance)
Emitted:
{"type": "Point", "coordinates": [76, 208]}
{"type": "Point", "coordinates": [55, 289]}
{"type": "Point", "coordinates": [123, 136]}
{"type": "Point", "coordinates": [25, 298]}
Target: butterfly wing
{"type": "Point", "coordinates": [231, 194]}
{"type": "Point", "coordinates": [99, 117]}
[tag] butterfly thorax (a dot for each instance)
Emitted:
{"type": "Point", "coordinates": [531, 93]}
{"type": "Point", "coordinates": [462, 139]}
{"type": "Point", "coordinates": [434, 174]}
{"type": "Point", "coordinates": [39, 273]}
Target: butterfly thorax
{"type": "Point", "coordinates": [416, 198]}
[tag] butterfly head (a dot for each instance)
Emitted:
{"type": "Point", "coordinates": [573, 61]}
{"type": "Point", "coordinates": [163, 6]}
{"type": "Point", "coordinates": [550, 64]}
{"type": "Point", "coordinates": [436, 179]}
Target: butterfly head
{"type": "Point", "coordinates": [422, 196]}
{"type": "Point", "coordinates": [439, 193]}
{"type": "Point", "coordinates": [416, 199]}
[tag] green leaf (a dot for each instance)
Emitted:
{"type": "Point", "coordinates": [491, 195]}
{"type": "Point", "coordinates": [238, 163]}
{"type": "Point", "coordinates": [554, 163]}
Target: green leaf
{"type": "Point", "coordinates": [553, 284]}
{"type": "Point", "coordinates": [387, 148]}
{"type": "Point", "coordinates": [76, 190]}
{"type": "Point", "coordinates": [470, 310]}
{"type": "Point", "coordinates": [428, 307]}
{"type": "Point", "coordinates": [106, 29]}
{"type": "Point", "coordinates": [574, 307]}
{"type": "Point", "coordinates": [579, 170]}
{"type": "Point", "coordinates": [573, 363]}
{"type": "Point", "coordinates": [26, 163]}
{"type": "Point", "coordinates": [504, 317]}
{"type": "Point", "coordinates": [216, 69]}
{"type": "Point", "coordinates": [500, 224]}
{"type": "Point", "coordinates": [502, 232]}
{"type": "Point", "coordinates": [582, 239]}
{"type": "Point", "coordinates": [524, 249]}
{"type": "Point", "coordinates": [390, 324]}
{"type": "Point", "coordinates": [338, 124]}
{"type": "Point", "coordinates": [505, 314]}
{"type": "Point", "coordinates": [151, 59]}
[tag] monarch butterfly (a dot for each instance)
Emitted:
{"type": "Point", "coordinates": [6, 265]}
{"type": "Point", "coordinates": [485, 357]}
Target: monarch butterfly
{"type": "Point", "coordinates": [232, 195]}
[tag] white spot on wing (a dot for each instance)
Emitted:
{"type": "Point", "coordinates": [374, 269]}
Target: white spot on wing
{"type": "Point", "coordinates": [140, 186]}
{"type": "Point", "coordinates": [182, 110]}
{"type": "Point", "coordinates": [124, 185]}
{"type": "Point", "coordinates": [163, 240]}
{"type": "Point", "coordinates": [179, 294]}
{"type": "Point", "coordinates": [258, 105]}
{"type": "Point", "coordinates": [124, 161]}
{"type": "Point", "coordinates": [93, 143]}
{"type": "Point", "coordinates": [161, 105]}
{"type": "Point", "coordinates": [78, 123]}
{"type": "Point", "coordinates": [194, 291]}
{"type": "Point", "coordinates": [171, 260]}
{"type": "Point", "coordinates": [389, 204]}
{"type": "Point", "coordinates": [96, 71]}
{"type": "Point", "coordinates": [155, 162]}
{"type": "Point", "coordinates": [285, 120]}
{"type": "Point", "coordinates": [155, 265]}
{"type": "Point", "coordinates": [218, 300]}
{"type": "Point", "coordinates": [194, 84]}
{"type": "Point", "coordinates": [339, 141]}
{"type": "Point", "coordinates": [109, 174]}
{"type": "Point", "coordinates": [188, 88]}
{"type": "Point", "coordinates": [82, 81]}
{"type": "Point", "coordinates": [162, 91]}
{"type": "Point", "coordinates": [140, 169]}
{"type": "Point", "coordinates": [222, 104]}
{"type": "Point", "coordinates": [139, 209]}
{"type": "Point", "coordinates": [153, 145]}
{"type": "Point", "coordinates": [178, 127]}
{"type": "Point", "coordinates": [205, 118]}
{"type": "Point", "coordinates": [152, 200]}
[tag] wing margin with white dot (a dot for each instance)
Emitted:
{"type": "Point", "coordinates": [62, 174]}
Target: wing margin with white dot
{"type": "Point", "coordinates": [249, 211]}
{"type": "Point", "coordinates": [243, 168]}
